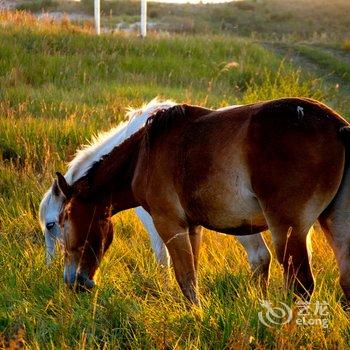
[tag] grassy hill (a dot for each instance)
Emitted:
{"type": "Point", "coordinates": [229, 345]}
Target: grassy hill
{"type": "Point", "coordinates": [59, 84]}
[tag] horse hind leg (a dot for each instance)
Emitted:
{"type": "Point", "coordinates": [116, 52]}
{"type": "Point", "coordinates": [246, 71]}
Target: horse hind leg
{"type": "Point", "coordinates": [293, 250]}
{"type": "Point", "coordinates": [259, 257]}
{"type": "Point", "coordinates": [337, 233]}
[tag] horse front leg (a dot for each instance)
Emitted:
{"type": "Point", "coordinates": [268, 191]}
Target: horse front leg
{"type": "Point", "coordinates": [195, 234]}
{"type": "Point", "coordinates": [159, 248]}
{"type": "Point", "coordinates": [176, 238]}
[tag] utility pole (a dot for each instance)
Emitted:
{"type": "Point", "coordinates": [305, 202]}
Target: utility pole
{"type": "Point", "coordinates": [143, 18]}
{"type": "Point", "coordinates": [97, 16]}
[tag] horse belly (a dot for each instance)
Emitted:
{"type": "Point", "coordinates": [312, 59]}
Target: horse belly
{"type": "Point", "coordinates": [227, 204]}
{"type": "Point", "coordinates": [239, 216]}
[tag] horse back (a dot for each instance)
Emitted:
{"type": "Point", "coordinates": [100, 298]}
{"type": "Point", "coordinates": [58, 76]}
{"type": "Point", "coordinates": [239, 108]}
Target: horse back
{"type": "Point", "coordinates": [227, 167]}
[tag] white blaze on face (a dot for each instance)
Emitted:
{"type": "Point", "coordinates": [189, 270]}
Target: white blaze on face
{"type": "Point", "coordinates": [49, 210]}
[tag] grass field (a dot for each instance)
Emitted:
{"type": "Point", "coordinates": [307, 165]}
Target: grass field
{"type": "Point", "coordinates": [59, 84]}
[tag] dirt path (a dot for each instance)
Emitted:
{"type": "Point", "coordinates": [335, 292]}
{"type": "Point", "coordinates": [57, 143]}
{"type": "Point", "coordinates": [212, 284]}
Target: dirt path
{"type": "Point", "coordinates": [332, 82]}
{"type": "Point", "coordinates": [306, 64]}
{"type": "Point", "coordinates": [337, 53]}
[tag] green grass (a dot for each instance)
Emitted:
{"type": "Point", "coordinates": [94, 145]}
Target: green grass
{"type": "Point", "coordinates": [59, 84]}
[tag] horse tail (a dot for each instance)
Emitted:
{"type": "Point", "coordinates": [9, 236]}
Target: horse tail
{"type": "Point", "coordinates": [343, 191]}
{"type": "Point", "coordinates": [344, 133]}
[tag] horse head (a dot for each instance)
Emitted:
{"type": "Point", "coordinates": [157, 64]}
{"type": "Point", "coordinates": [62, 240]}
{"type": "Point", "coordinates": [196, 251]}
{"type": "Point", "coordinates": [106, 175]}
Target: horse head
{"type": "Point", "coordinates": [87, 232]}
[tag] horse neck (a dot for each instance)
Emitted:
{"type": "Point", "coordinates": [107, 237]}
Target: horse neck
{"type": "Point", "coordinates": [122, 197]}
{"type": "Point", "coordinates": [110, 179]}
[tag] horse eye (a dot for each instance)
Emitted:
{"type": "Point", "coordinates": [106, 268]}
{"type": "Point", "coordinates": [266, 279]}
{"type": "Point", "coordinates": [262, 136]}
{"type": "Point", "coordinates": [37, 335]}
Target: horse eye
{"type": "Point", "coordinates": [50, 225]}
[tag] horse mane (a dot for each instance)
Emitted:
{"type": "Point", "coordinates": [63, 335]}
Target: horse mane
{"type": "Point", "coordinates": [108, 165]}
{"type": "Point", "coordinates": [163, 120]}
{"type": "Point", "coordinates": [105, 142]}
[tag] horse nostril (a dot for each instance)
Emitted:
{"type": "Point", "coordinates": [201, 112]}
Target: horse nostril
{"type": "Point", "coordinates": [84, 284]}
{"type": "Point", "coordinates": [50, 225]}
{"type": "Point", "coordinates": [78, 281]}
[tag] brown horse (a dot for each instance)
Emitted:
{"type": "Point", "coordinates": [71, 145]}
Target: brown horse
{"type": "Point", "coordinates": [279, 164]}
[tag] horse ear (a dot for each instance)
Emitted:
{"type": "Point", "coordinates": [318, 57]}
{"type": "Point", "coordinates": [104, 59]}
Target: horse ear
{"type": "Point", "coordinates": [63, 186]}
{"type": "Point", "coordinates": [55, 190]}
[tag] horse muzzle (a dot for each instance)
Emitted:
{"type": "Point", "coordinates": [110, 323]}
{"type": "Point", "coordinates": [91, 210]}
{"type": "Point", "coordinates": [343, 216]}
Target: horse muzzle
{"type": "Point", "coordinates": [78, 281]}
